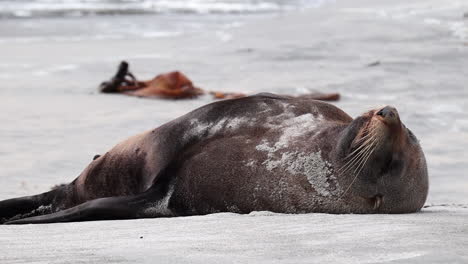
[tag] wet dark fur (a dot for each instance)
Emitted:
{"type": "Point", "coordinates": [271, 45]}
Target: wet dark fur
{"type": "Point", "coordinates": [170, 171]}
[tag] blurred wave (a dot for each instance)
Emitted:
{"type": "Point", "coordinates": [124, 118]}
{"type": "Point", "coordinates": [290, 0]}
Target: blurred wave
{"type": "Point", "coordinates": [75, 8]}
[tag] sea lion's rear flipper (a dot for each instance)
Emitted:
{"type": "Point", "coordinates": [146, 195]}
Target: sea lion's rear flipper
{"type": "Point", "coordinates": [152, 203]}
{"type": "Point", "coordinates": [28, 206]}
{"type": "Point", "coordinates": [17, 207]}
{"type": "Point", "coordinates": [99, 209]}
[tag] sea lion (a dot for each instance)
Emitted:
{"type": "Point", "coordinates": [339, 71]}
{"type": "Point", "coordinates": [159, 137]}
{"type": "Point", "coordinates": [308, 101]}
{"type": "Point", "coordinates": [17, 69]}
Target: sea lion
{"type": "Point", "coordinates": [263, 152]}
{"type": "Point", "coordinates": [174, 85]}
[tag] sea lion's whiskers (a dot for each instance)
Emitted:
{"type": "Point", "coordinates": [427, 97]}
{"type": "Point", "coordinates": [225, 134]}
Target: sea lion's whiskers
{"type": "Point", "coordinates": [361, 167]}
{"type": "Point", "coordinates": [369, 152]}
{"type": "Point", "coordinates": [352, 162]}
{"type": "Point", "coordinates": [369, 134]}
{"type": "Point", "coordinates": [358, 149]}
{"type": "Point", "coordinates": [364, 160]}
{"type": "Point", "coordinates": [367, 138]}
{"type": "Point", "coordinates": [364, 163]}
{"type": "Point", "coordinates": [356, 154]}
{"type": "Point", "coordinates": [357, 161]}
{"type": "Point", "coordinates": [363, 138]}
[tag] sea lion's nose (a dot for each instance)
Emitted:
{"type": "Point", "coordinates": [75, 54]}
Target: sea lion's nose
{"type": "Point", "coordinates": [389, 113]}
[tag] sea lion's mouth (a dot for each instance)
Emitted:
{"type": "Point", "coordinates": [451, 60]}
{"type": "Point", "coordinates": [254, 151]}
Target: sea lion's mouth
{"type": "Point", "coordinates": [375, 201]}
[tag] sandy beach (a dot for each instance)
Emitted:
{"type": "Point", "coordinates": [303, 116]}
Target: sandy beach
{"type": "Point", "coordinates": [410, 55]}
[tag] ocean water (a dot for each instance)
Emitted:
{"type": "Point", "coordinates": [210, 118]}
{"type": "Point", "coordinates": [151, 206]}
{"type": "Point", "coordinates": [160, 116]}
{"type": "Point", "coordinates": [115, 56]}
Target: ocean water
{"type": "Point", "coordinates": [54, 8]}
{"type": "Point", "coordinates": [75, 20]}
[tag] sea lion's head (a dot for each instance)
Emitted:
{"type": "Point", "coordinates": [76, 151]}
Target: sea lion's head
{"type": "Point", "coordinates": [382, 164]}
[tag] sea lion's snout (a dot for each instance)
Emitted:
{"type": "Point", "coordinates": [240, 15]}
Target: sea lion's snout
{"type": "Point", "coordinates": [388, 112]}
{"type": "Point", "coordinates": [388, 115]}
